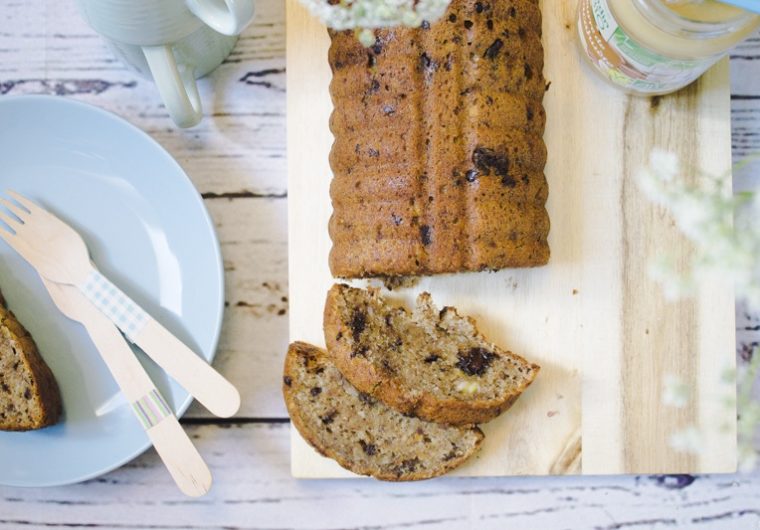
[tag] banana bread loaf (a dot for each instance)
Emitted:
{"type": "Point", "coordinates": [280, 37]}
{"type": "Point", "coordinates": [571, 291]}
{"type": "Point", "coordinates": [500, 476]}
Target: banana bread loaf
{"type": "Point", "coordinates": [438, 157]}
{"type": "Point", "coordinates": [362, 434]}
{"type": "Point", "coordinates": [29, 395]}
{"type": "Point", "coordinates": [432, 364]}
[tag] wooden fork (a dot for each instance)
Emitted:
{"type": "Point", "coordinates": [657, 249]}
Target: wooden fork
{"type": "Point", "coordinates": [175, 448]}
{"type": "Point", "coordinates": [59, 254]}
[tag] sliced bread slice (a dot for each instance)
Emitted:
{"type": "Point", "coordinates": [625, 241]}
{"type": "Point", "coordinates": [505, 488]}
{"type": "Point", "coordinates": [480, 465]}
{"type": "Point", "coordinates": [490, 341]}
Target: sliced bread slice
{"type": "Point", "coordinates": [432, 364]}
{"type": "Point", "coordinates": [29, 395]}
{"type": "Point", "coordinates": [362, 434]}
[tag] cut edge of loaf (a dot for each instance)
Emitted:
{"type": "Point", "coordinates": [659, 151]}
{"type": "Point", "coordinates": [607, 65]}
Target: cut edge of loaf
{"type": "Point", "coordinates": [362, 374]}
{"type": "Point", "coordinates": [296, 353]}
{"type": "Point", "coordinates": [43, 389]}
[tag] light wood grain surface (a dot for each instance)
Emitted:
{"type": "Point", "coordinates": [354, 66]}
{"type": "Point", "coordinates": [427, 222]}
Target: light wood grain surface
{"type": "Point", "coordinates": [236, 158]}
{"type": "Point", "coordinates": [599, 326]}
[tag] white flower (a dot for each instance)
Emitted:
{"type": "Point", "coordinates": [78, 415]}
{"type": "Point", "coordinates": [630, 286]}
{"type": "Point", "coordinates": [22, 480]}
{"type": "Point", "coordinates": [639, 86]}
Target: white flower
{"type": "Point", "coordinates": [748, 426]}
{"type": "Point", "coordinates": [694, 214]}
{"type": "Point", "coordinates": [368, 14]}
{"type": "Point", "coordinates": [723, 227]}
{"type": "Point", "coordinates": [655, 178]}
{"type": "Point", "coordinates": [367, 37]}
{"type": "Point", "coordinates": [675, 392]}
{"type": "Point", "coordinates": [411, 19]}
{"type": "Point", "coordinates": [688, 440]}
{"type": "Point", "coordinates": [665, 163]}
{"type": "Point", "coordinates": [675, 285]}
{"type": "Point", "coordinates": [725, 231]}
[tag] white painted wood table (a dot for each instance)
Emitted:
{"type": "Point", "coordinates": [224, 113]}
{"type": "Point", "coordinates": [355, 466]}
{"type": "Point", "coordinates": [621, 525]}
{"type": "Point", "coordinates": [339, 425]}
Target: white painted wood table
{"type": "Point", "coordinates": [236, 158]}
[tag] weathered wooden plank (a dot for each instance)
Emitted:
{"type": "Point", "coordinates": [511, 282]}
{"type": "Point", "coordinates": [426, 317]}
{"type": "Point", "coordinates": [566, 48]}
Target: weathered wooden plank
{"type": "Point", "coordinates": [253, 489]}
{"type": "Point", "coordinates": [745, 98]}
{"type": "Point", "coordinates": [254, 334]}
{"type": "Point", "coordinates": [236, 158]}
{"type": "Point", "coordinates": [253, 486]}
{"type": "Point", "coordinates": [239, 148]}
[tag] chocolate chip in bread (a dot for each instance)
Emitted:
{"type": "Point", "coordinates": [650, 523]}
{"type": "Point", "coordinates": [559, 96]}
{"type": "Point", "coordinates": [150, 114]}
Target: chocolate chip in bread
{"type": "Point", "coordinates": [438, 160]}
{"type": "Point", "coordinates": [430, 363]}
{"type": "Point", "coordinates": [361, 433]}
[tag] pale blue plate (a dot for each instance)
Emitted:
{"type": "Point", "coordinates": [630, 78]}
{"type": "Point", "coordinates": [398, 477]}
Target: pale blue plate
{"type": "Point", "coordinates": [147, 229]}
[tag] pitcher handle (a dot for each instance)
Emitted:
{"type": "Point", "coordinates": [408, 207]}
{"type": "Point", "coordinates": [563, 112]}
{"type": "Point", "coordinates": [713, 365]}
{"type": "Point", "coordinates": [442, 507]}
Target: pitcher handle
{"type": "Point", "coordinates": [178, 90]}
{"type": "Point", "coordinates": [229, 17]}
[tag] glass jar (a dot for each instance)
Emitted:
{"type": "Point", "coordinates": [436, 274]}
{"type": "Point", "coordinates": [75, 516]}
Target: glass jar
{"type": "Point", "coordinates": [653, 47]}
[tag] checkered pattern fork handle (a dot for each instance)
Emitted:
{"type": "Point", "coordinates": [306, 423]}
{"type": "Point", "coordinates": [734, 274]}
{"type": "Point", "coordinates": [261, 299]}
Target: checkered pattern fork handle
{"type": "Point", "coordinates": [116, 305]}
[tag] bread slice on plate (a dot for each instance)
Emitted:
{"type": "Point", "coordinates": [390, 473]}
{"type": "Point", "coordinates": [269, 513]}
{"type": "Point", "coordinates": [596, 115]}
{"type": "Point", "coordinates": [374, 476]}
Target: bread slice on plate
{"type": "Point", "coordinates": [429, 363]}
{"type": "Point", "coordinates": [362, 434]}
{"type": "Point", "coordinates": [29, 395]}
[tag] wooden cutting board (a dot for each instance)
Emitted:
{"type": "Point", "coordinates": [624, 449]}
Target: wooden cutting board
{"type": "Point", "coordinates": [593, 319]}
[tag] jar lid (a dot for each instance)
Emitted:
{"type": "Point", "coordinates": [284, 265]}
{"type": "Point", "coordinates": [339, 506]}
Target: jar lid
{"type": "Point", "coordinates": [749, 5]}
{"type": "Point", "coordinates": [698, 18]}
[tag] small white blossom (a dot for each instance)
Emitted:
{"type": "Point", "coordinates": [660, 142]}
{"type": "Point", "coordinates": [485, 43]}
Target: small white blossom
{"type": "Point", "coordinates": [367, 37]}
{"type": "Point", "coordinates": [749, 418]}
{"type": "Point", "coordinates": [725, 231]}
{"type": "Point", "coordinates": [665, 163]}
{"type": "Point", "coordinates": [675, 285]}
{"type": "Point", "coordinates": [688, 440]}
{"type": "Point", "coordinates": [368, 14]}
{"type": "Point", "coordinates": [675, 392]}
{"type": "Point", "coordinates": [723, 227]}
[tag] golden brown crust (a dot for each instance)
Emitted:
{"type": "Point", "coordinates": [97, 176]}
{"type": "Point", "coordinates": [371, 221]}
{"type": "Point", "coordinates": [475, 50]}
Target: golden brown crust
{"type": "Point", "coordinates": [44, 401]}
{"type": "Point", "coordinates": [302, 355]}
{"type": "Point", "coordinates": [438, 156]}
{"type": "Point", "coordinates": [370, 378]}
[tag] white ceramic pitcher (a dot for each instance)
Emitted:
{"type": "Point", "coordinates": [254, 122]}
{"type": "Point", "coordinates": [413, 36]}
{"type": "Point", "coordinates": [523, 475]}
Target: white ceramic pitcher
{"type": "Point", "coordinates": [172, 41]}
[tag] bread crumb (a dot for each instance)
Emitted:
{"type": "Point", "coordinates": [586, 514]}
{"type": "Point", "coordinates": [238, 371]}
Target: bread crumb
{"type": "Point", "coordinates": [400, 282]}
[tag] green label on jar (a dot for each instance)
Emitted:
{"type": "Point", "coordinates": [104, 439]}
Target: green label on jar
{"type": "Point", "coordinates": [627, 62]}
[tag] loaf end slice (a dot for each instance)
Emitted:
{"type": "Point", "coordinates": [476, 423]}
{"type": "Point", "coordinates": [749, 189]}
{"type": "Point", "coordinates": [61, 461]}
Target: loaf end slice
{"type": "Point", "coordinates": [362, 434]}
{"type": "Point", "coordinates": [429, 363]}
{"type": "Point", "coordinates": [29, 395]}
